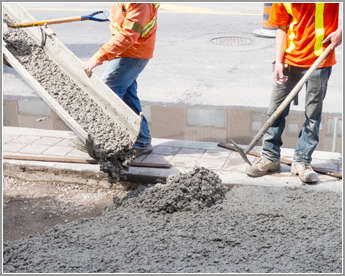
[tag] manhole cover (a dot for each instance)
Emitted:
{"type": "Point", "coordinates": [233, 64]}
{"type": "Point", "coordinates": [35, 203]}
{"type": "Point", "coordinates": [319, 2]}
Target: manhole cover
{"type": "Point", "coordinates": [231, 41]}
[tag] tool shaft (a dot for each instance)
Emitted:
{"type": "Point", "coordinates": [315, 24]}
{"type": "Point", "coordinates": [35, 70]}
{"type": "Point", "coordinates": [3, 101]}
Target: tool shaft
{"type": "Point", "coordinates": [48, 22]}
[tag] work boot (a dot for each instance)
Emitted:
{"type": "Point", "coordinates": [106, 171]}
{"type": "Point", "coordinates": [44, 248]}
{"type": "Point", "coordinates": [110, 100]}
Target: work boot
{"type": "Point", "coordinates": [305, 172]}
{"type": "Point", "coordinates": [139, 152]}
{"type": "Point", "coordinates": [261, 167]}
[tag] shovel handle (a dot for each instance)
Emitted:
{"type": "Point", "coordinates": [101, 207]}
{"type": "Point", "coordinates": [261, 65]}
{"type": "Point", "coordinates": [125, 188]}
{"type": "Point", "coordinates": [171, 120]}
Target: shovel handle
{"type": "Point", "coordinates": [48, 22]}
{"type": "Point", "coordinates": [63, 20]}
{"type": "Point", "coordinates": [287, 100]}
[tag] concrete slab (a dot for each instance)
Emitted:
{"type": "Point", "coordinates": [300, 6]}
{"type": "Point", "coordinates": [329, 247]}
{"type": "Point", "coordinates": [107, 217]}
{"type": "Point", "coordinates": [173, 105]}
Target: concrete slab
{"type": "Point", "coordinates": [212, 164]}
{"type": "Point", "coordinates": [74, 153]}
{"type": "Point", "coordinates": [219, 154]}
{"type": "Point", "coordinates": [195, 153]}
{"type": "Point", "coordinates": [47, 141]}
{"type": "Point", "coordinates": [34, 149]}
{"type": "Point", "coordinates": [7, 137]}
{"type": "Point", "coordinates": [165, 150]}
{"type": "Point", "coordinates": [13, 147]}
{"type": "Point", "coordinates": [157, 158]}
{"type": "Point", "coordinates": [65, 143]}
{"type": "Point", "coordinates": [57, 151]}
{"type": "Point", "coordinates": [183, 161]}
{"type": "Point", "coordinates": [27, 139]}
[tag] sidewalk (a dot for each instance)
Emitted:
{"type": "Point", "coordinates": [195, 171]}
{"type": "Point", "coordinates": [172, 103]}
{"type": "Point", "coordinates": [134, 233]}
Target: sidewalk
{"type": "Point", "coordinates": [182, 155]}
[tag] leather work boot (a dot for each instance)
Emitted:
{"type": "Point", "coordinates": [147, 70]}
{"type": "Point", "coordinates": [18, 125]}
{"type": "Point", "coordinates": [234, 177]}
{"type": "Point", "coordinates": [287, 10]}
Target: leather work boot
{"type": "Point", "coordinates": [305, 172]}
{"type": "Point", "coordinates": [261, 167]}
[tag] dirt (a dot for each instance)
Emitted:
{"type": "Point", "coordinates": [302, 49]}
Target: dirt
{"type": "Point", "coordinates": [242, 229]}
{"type": "Point", "coordinates": [32, 207]}
{"type": "Point", "coordinates": [112, 141]}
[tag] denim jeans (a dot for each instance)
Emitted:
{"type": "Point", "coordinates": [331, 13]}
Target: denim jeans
{"type": "Point", "coordinates": [308, 137]}
{"type": "Point", "coordinates": [120, 75]}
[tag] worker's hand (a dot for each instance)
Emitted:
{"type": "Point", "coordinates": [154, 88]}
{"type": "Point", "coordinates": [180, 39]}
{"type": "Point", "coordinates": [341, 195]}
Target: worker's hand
{"type": "Point", "coordinates": [278, 73]}
{"type": "Point", "coordinates": [335, 38]}
{"type": "Point", "coordinates": [88, 66]}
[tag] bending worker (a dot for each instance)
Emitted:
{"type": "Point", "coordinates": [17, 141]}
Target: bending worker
{"type": "Point", "coordinates": [133, 26]}
{"type": "Point", "coordinates": [304, 32]}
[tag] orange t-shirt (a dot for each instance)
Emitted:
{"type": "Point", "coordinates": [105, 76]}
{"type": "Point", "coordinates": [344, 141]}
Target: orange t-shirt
{"type": "Point", "coordinates": [126, 42]}
{"type": "Point", "coordinates": [308, 24]}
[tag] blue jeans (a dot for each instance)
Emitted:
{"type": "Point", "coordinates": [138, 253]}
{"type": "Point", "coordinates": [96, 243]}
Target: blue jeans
{"type": "Point", "coordinates": [120, 75]}
{"type": "Point", "coordinates": [308, 138]}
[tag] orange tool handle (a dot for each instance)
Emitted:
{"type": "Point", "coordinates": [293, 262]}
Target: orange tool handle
{"type": "Point", "coordinates": [48, 22]}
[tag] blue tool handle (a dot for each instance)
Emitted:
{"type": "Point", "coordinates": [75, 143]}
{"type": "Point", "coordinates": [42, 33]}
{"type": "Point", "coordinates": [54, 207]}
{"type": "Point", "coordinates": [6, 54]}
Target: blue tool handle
{"type": "Point", "coordinates": [91, 16]}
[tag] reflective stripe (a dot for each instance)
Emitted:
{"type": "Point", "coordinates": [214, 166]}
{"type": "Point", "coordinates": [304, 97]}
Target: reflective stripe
{"type": "Point", "coordinates": [319, 30]}
{"type": "Point", "coordinates": [292, 35]}
{"type": "Point", "coordinates": [149, 26]}
{"type": "Point", "coordinates": [117, 28]}
{"type": "Point", "coordinates": [157, 5]}
{"type": "Point", "coordinates": [133, 26]}
{"type": "Point", "coordinates": [125, 5]}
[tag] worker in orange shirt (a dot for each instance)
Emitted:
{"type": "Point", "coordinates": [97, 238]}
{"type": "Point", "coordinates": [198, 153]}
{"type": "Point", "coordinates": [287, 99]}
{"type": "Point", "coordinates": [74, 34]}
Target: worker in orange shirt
{"type": "Point", "coordinates": [133, 27]}
{"type": "Point", "coordinates": [304, 32]}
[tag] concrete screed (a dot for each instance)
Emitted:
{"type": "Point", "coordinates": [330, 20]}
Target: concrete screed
{"type": "Point", "coordinates": [190, 224]}
{"type": "Point", "coordinates": [193, 224]}
{"type": "Point", "coordinates": [112, 142]}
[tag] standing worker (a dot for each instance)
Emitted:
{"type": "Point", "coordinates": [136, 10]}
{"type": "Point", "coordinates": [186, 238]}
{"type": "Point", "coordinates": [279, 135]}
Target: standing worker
{"type": "Point", "coordinates": [304, 32]}
{"type": "Point", "coordinates": [133, 27]}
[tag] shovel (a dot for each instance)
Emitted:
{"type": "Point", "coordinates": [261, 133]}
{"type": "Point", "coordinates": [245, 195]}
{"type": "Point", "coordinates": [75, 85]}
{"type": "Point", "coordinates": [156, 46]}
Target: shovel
{"type": "Point", "coordinates": [62, 20]}
{"type": "Point", "coordinates": [282, 106]}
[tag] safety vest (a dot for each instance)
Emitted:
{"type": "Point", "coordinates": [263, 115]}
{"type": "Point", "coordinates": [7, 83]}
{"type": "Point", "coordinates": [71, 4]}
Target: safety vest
{"type": "Point", "coordinates": [308, 25]}
{"type": "Point", "coordinates": [319, 30]}
{"type": "Point", "coordinates": [143, 30]}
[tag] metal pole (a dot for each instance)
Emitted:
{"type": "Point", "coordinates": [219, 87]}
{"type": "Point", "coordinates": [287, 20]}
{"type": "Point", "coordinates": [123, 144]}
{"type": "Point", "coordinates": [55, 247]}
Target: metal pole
{"type": "Point", "coordinates": [335, 134]}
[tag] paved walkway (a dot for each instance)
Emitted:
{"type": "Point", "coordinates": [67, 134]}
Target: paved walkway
{"type": "Point", "coordinates": [182, 155]}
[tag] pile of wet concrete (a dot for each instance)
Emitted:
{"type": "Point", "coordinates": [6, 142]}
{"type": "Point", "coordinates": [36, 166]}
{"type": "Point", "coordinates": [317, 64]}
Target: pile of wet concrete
{"type": "Point", "coordinates": [112, 142]}
{"type": "Point", "coordinates": [192, 224]}
{"type": "Point", "coordinates": [182, 192]}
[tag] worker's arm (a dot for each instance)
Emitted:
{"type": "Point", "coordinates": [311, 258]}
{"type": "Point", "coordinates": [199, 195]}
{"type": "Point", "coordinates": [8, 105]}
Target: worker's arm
{"type": "Point", "coordinates": [280, 51]}
{"type": "Point", "coordinates": [335, 38]}
{"type": "Point", "coordinates": [138, 13]}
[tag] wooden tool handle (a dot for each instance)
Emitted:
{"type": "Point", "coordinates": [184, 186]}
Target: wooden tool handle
{"type": "Point", "coordinates": [48, 22]}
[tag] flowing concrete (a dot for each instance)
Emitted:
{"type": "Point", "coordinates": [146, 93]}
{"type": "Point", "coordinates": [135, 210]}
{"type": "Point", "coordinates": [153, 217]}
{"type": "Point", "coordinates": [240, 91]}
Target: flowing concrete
{"type": "Point", "coordinates": [113, 142]}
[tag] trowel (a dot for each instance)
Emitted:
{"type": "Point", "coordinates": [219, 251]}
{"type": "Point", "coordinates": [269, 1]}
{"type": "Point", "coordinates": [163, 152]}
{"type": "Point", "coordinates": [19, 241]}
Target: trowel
{"type": "Point", "coordinates": [282, 107]}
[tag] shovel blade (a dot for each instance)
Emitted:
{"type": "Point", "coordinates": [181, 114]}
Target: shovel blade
{"type": "Point", "coordinates": [241, 152]}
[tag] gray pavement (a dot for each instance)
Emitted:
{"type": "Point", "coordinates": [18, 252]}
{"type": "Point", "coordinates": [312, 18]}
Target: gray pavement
{"type": "Point", "coordinates": [182, 155]}
{"type": "Point", "coordinates": [187, 68]}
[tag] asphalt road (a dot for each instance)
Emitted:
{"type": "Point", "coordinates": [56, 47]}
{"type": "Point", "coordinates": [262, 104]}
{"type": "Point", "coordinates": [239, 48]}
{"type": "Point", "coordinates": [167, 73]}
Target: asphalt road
{"type": "Point", "coordinates": [187, 68]}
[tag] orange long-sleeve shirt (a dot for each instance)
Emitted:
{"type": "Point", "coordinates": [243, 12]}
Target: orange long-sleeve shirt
{"type": "Point", "coordinates": [126, 42]}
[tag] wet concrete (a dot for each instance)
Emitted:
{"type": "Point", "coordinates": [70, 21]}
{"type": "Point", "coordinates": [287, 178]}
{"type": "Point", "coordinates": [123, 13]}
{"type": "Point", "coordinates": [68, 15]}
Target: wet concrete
{"type": "Point", "coordinates": [245, 229]}
{"type": "Point", "coordinates": [113, 143]}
